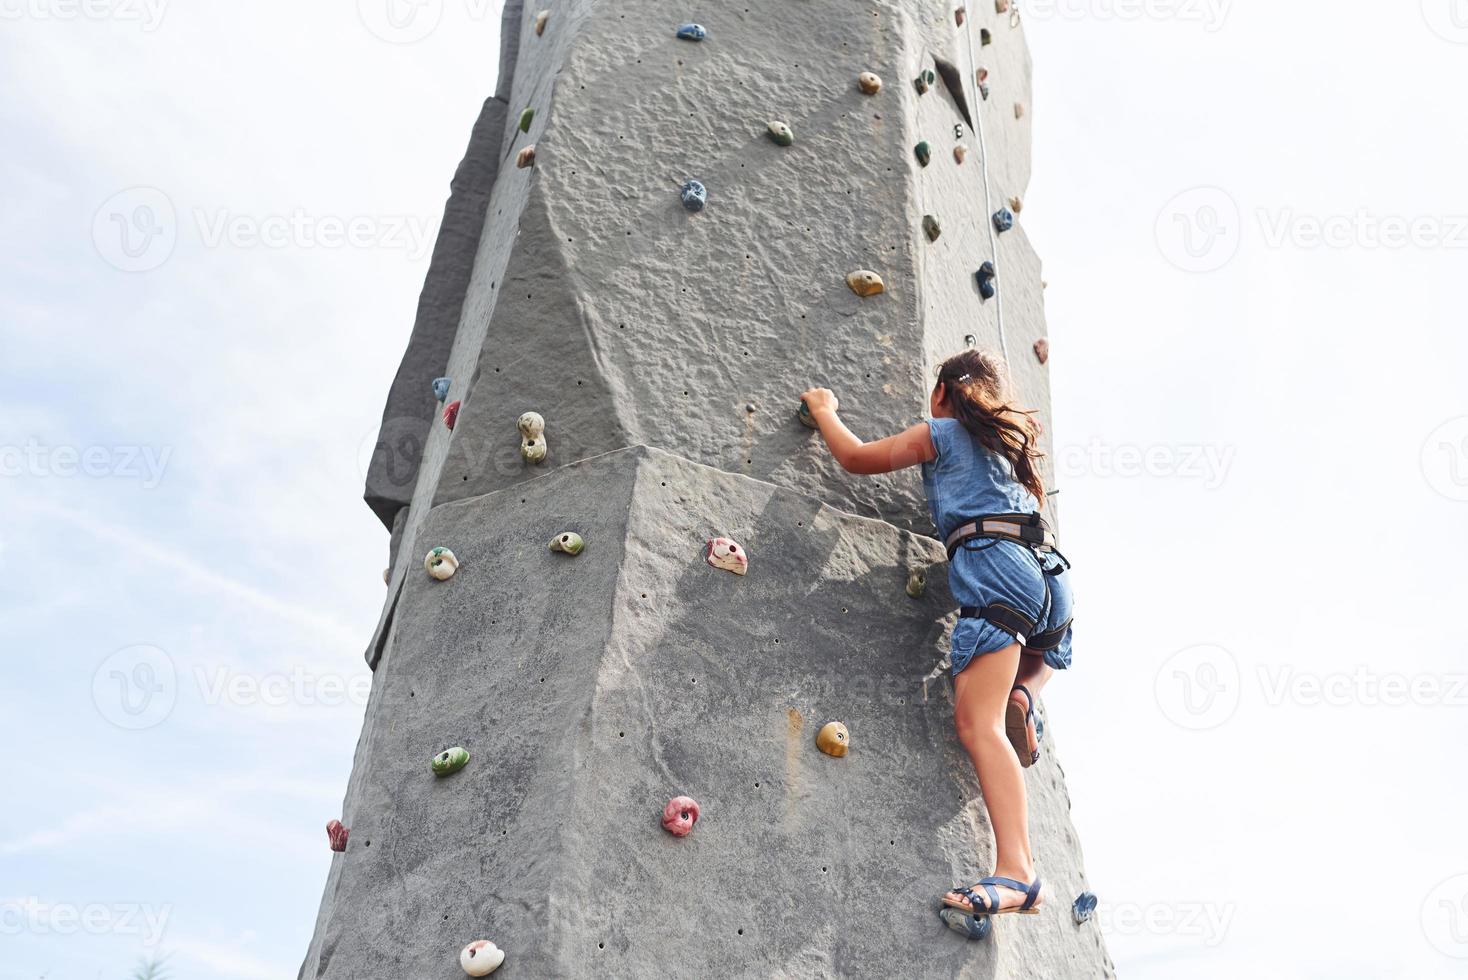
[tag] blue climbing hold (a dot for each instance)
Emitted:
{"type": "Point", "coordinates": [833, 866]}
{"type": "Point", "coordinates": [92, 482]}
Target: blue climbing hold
{"type": "Point", "coordinates": [692, 32]}
{"type": "Point", "coordinates": [968, 926]}
{"type": "Point", "coordinates": [985, 277]}
{"type": "Point", "coordinates": [440, 388]}
{"type": "Point", "coordinates": [694, 195]}
{"type": "Point", "coordinates": [1003, 220]}
{"type": "Point", "coordinates": [1084, 907]}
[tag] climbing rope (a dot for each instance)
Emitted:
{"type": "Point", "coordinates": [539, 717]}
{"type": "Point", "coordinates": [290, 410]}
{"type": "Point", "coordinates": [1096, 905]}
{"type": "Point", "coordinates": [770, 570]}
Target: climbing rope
{"type": "Point", "coordinates": [968, 32]}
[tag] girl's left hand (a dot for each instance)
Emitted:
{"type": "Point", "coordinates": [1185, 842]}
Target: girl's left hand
{"type": "Point", "coordinates": [819, 400]}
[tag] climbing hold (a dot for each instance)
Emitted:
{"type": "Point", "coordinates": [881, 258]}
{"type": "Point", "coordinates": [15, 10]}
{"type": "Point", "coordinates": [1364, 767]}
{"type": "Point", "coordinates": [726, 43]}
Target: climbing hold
{"type": "Point", "coordinates": [869, 83]}
{"type": "Point", "coordinates": [540, 20]}
{"type": "Point", "coordinates": [959, 153]}
{"type": "Point", "coordinates": [864, 283]}
{"type": "Point", "coordinates": [725, 553]}
{"type": "Point", "coordinates": [1001, 6]}
{"type": "Point", "coordinates": [441, 388]}
{"type": "Point", "coordinates": [441, 564]}
{"type": "Point", "coordinates": [781, 134]}
{"type": "Point", "coordinates": [532, 437]}
{"type": "Point", "coordinates": [1019, 110]}
{"type": "Point", "coordinates": [680, 815]}
{"type": "Point", "coordinates": [481, 958]}
{"type": "Point", "coordinates": [1016, 204]}
{"type": "Point", "coordinates": [450, 761]}
{"type": "Point", "coordinates": [923, 152]}
{"type": "Point", "coordinates": [1042, 350]}
{"type": "Point", "coordinates": [985, 36]}
{"type": "Point", "coordinates": [982, 74]}
{"type": "Point", "coordinates": [525, 118]}
{"type": "Point", "coordinates": [806, 418]}
{"type": "Point", "coordinates": [969, 340]}
{"type": "Point", "coordinates": [451, 414]}
{"type": "Point", "coordinates": [969, 926]}
{"type": "Point", "coordinates": [526, 157]}
{"type": "Point", "coordinates": [985, 276]}
{"type": "Point", "coordinates": [337, 835]}
{"type": "Point", "coordinates": [692, 32]}
{"type": "Point", "coordinates": [386, 575]}
{"type": "Point", "coordinates": [1084, 907]}
{"type": "Point", "coordinates": [694, 195]}
{"type": "Point", "coordinates": [833, 739]}
{"type": "Point", "coordinates": [931, 227]}
{"type": "Point", "coordinates": [567, 543]}
{"type": "Point", "coordinates": [959, 15]}
{"type": "Point", "coordinates": [1003, 220]}
{"type": "Point", "coordinates": [984, 91]}
{"type": "Point", "coordinates": [924, 81]}
{"type": "Point", "coordinates": [917, 582]}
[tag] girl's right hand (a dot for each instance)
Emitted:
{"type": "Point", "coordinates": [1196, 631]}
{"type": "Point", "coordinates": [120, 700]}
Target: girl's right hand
{"type": "Point", "coordinates": [818, 400]}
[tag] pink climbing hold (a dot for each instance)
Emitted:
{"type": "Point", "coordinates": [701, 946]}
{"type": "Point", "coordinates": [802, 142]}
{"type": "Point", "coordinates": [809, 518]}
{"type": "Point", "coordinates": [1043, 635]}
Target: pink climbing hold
{"type": "Point", "coordinates": [725, 553]}
{"type": "Point", "coordinates": [680, 815]}
{"type": "Point", "coordinates": [337, 834]}
{"type": "Point", "coordinates": [451, 415]}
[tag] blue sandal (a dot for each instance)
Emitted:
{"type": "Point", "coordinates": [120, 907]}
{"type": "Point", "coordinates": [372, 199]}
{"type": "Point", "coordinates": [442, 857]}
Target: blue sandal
{"type": "Point", "coordinates": [1023, 727]}
{"type": "Point", "coordinates": [988, 903]}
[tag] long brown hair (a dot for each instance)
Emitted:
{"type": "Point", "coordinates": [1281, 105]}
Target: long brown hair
{"type": "Point", "coordinates": [974, 384]}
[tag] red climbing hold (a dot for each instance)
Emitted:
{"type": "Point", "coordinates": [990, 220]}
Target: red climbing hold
{"type": "Point", "coordinates": [1042, 350]}
{"type": "Point", "coordinates": [451, 415]}
{"type": "Point", "coordinates": [680, 815]}
{"type": "Point", "coordinates": [337, 834]}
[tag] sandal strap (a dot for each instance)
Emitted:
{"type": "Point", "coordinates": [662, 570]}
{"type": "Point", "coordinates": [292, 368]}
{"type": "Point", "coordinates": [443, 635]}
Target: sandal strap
{"type": "Point", "coordinates": [1031, 891]}
{"type": "Point", "coordinates": [1029, 701]}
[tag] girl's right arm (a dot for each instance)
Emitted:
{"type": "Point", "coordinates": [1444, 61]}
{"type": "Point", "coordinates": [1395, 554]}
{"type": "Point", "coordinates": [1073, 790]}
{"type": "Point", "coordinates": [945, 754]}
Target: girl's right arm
{"type": "Point", "coordinates": [911, 447]}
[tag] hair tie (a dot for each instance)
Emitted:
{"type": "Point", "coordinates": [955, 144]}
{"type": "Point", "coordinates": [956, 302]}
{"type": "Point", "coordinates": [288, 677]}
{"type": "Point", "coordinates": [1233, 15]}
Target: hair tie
{"type": "Point", "coordinates": [965, 379]}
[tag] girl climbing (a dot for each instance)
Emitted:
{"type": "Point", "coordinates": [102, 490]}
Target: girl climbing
{"type": "Point", "coordinates": [980, 463]}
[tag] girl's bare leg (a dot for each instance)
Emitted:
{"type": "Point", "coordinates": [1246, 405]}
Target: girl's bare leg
{"type": "Point", "coordinates": [1034, 673]}
{"type": "Point", "coordinates": [981, 692]}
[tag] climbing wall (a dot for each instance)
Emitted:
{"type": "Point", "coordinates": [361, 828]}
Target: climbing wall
{"type": "Point", "coordinates": [663, 346]}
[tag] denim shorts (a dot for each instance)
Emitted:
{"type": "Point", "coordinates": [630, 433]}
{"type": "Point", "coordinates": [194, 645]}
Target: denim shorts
{"type": "Point", "coordinates": [986, 571]}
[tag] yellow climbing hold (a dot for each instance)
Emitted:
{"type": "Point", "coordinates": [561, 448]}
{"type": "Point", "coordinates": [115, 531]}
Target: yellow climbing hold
{"type": "Point", "coordinates": [865, 282]}
{"type": "Point", "coordinates": [833, 739]}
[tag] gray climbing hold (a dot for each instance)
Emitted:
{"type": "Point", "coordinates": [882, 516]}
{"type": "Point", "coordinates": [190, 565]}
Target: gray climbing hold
{"type": "Point", "coordinates": [441, 388]}
{"type": "Point", "coordinates": [694, 195]}
{"type": "Point", "coordinates": [1084, 907]}
{"type": "Point", "coordinates": [931, 228]}
{"type": "Point", "coordinates": [917, 583]}
{"type": "Point", "coordinates": [526, 118]}
{"type": "Point", "coordinates": [973, 927]}
{"type": "Point", "coordinates": [781, 133]}
{"type": "Point", "coordinates": [985, 276]}
{"type": "Point", "coordinates": [923, 152]}
{"type": "Point", "coordinates": [1003, 220]}
{"type": "Point", "coordinates": [692, 32]}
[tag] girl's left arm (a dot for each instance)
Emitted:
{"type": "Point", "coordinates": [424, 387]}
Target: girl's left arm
{"type": "Point", "coordinates": [908, 448]}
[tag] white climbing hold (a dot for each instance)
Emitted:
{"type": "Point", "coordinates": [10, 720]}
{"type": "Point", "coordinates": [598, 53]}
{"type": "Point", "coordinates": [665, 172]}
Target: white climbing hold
{"type": "Point", "coordinates": [481, 958]}
{"type": "Point", "coordinates": [441, 564]}
{"type": "Point", "coordinates": [726, 553]}
{"type": "Point", "coordinates": [540, 20]}
{"type": "Point", "coordinates": [532, 437]}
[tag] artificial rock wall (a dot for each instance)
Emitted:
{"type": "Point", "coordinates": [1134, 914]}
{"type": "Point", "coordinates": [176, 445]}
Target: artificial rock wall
{"type": "Point", "coordinates": [665, 349]}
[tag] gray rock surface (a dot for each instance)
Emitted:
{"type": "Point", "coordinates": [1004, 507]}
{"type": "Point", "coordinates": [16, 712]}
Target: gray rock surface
{"type": "Point", "coordinates": [590, 690]}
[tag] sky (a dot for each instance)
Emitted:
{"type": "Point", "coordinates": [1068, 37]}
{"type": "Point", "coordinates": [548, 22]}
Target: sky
{"type": "Point", "coordinates": [216, 219]}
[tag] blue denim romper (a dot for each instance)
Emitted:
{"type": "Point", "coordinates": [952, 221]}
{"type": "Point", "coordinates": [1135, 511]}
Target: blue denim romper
{"type": "Point", "coordinates": [968, 481]}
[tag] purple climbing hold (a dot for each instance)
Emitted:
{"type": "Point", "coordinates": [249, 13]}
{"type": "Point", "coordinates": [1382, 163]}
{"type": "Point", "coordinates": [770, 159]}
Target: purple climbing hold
{"type": "Point", "coordinates": [985, 276]}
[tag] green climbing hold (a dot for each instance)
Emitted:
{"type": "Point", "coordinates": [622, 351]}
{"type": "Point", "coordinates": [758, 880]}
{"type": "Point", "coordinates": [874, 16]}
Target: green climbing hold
{"type": "Point", "coordinates": [931, 228]}
{"type": "Point", "coordinates": [924, 152]}
{"type": "Point", "coordinates": [924, 81]}
{"type": "Point", "coordinates": [450, 761]}
{"type": "Point", "coordinates": [806, 418]}
{"type": "Point", "coordinates": [917, 583]}
{"type": "Point", "coordinates": [525, 118]}
{"type": "Point", "coordinates": [781, 134]}
{"type": "Point", "coordinates": [985, 36]}
{"type": "Point", "coordinates": [568, 543]}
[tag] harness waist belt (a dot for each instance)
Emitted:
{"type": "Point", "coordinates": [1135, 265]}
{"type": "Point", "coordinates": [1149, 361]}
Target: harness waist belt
{"type": "Point", "coordinates": [1029, 530]}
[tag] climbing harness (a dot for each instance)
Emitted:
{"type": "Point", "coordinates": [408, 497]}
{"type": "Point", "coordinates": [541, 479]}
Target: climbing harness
{"type": "Point", "coordinates": [1031, 531]}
